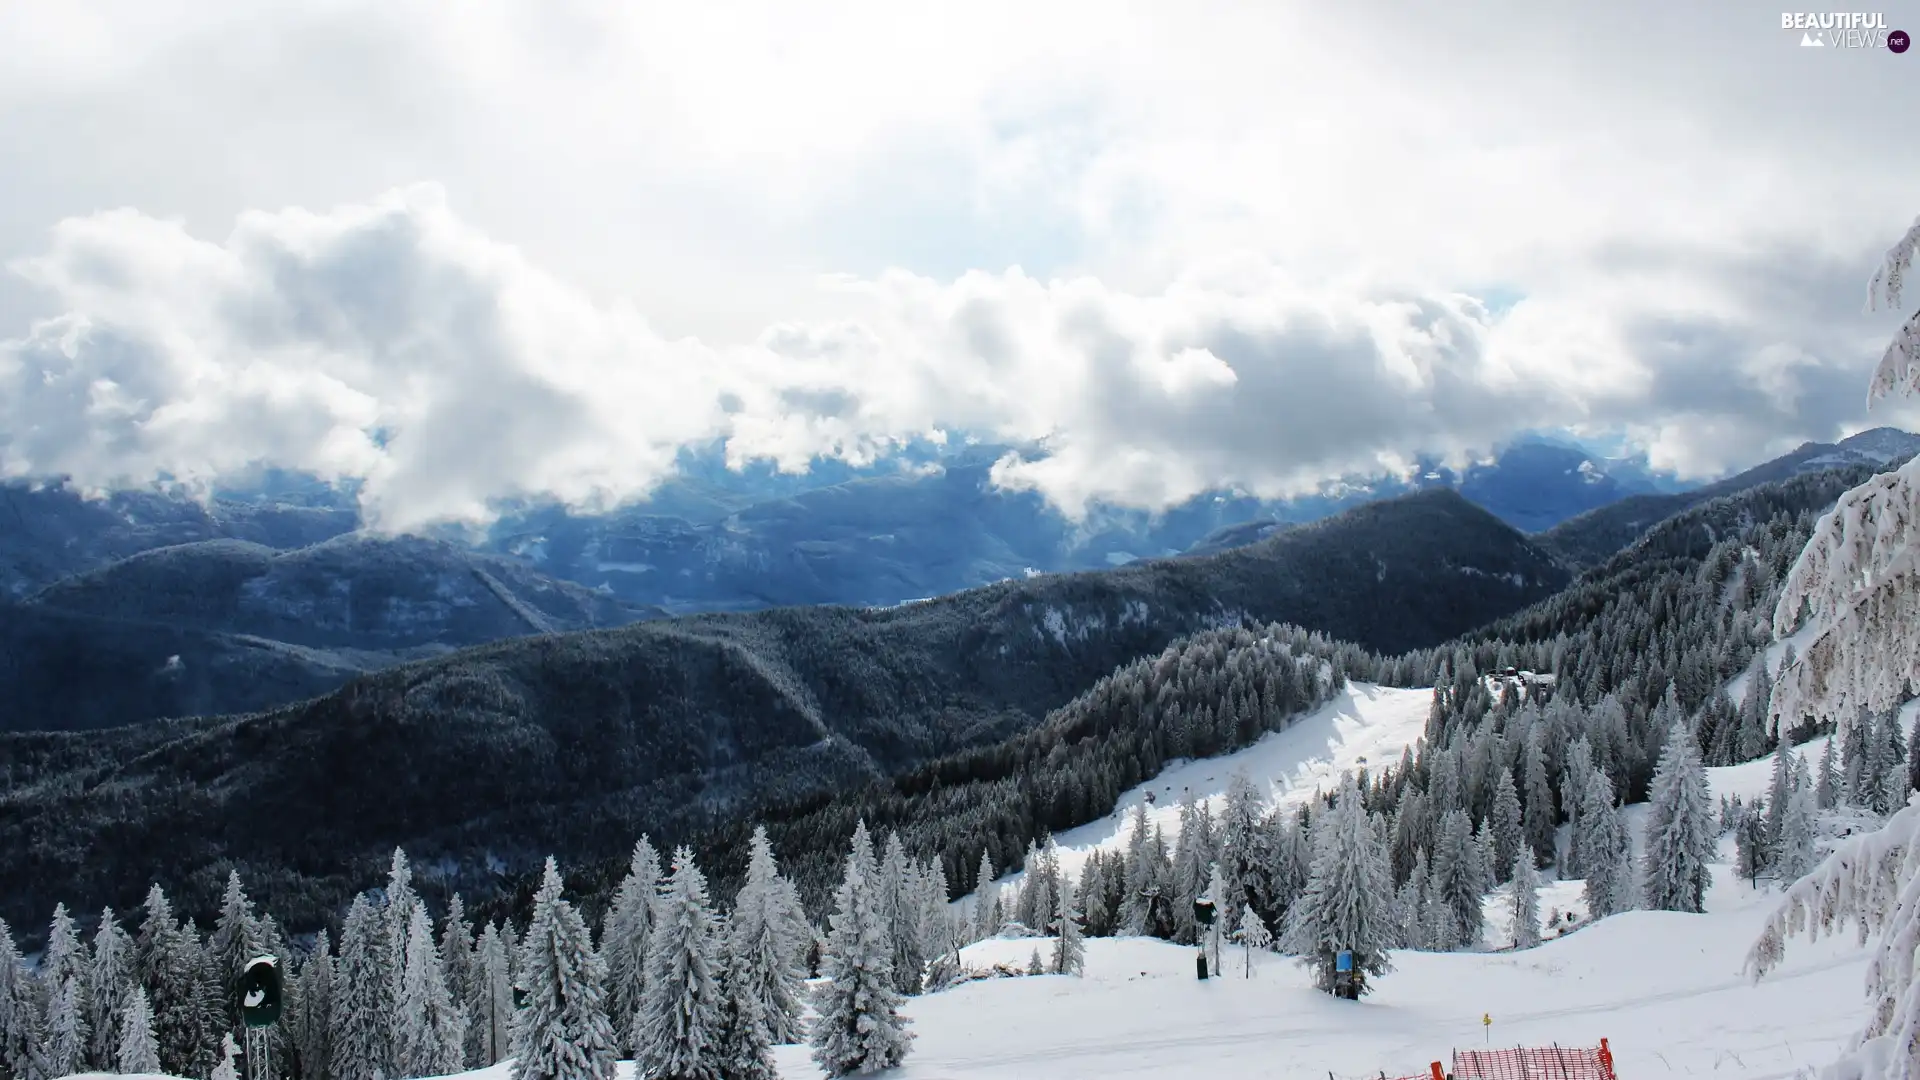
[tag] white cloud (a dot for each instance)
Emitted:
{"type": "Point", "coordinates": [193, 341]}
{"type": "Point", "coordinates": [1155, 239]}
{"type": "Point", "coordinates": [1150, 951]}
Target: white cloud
{"type": "Point", "coordinates": [1256, 234]}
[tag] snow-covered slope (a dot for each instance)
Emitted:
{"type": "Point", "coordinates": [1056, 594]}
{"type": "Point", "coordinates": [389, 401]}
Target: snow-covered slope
{"type": "Point", "coordinates": [1364, 726]}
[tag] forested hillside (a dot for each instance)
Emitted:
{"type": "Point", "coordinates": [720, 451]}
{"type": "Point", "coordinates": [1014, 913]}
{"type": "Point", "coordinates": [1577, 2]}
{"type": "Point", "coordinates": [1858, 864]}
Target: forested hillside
{"type": "Point", "coordinates": [569, 744]}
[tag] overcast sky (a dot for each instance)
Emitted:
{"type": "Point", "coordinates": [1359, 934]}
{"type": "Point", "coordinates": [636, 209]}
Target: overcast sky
{"type": "Point", "coordinates": [493, 249]}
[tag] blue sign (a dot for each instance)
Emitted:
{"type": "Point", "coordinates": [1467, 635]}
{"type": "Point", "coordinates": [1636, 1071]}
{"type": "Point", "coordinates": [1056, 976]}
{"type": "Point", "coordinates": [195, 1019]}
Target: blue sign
{"type": "Point", "coordinates": [1343, 962]}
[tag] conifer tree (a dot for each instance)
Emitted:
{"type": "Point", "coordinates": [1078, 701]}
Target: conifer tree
{"type": "Point", "coordinates": [859, 1029]}
{"type": "Point", "coordinates": [429, 1033]}
{"type": "Point", "coordinates": [490, 999]}
{"type": "Point", "coordinates": [1753, 710]}
{"type": "Point", "coordinates": [168, 965]}
{"type": "Point", "coordinates": [65, 1050]}
{"type": "Point", "coordinates": [1608, 851]}
{"type": "Point", "coordinates": [110, 978]}
{"type": "Point", "coordinates": [562, 1033]}
{"type": "Point", "coordinates": [310, 1006]}
{"type": "Point", "coordinates": [1750, 855]}
{"type": "Point", "coordinates": [1526, 902]}
{"type": "Point", "coordinates": [396, 916]}
{"type": "Point", "coordinates": [900, 910]}
{"type": "Point", "coordinates": [1253, 936]}
{"type": "Point", "coordinates": [938, 939]}
{"type": "Point", "coordinates": [19, 1051]}
{"type": "Point", "coordinates": [1679, 827]}
{"type": "Point", "coordinates": [1827, 794]}
{"type": "Point", "coordinates": [135, 1051]}
{"type": "Point", "coordinates": [363, 998]}
{"type": "Point", "coordinates": [1346, 905]}
{"type": "Point", "coordinates": [1504, 823]}
{"type": "Point", "coordinates": [228, 1069]}
{"type": "Point", "coordinates": [1456, 880]}
{"type": "Point", "coordinates": [677, 1031]}
{"type": "Point", "coordinates": [760, 932]}
{"type": "Point", "coordinates": [1034, 966]}
{"type": "Point", "coordinates": [1779, 790]}
{"type": "Point", "coordinates": [986, 902]}
{"type": "Point", "coordinates": [1069, 951]}
{"type": "Point", "coordinates": [456, 958]}
{"type": "Point", "coordinates": [234, 941]}
{"type": "Point", "coordinates": [624, 936]}
{"type": "Point", "coordinates": [1136, 911]}
{"type": "Point", "coordinates": [1579, 763]}
{"type": "Point", "coordinates": [1793, 853]}
{"type": "Point", "coordinates": [1539, 814]}
{"type": "Point", "coordinates": [1241, 841]}
{"type": "Point", "coordinates": [745, 1048]}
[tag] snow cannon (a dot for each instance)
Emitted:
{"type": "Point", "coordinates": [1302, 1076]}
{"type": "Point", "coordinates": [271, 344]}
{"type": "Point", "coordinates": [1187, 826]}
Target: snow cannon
{"type": "Point", "coordinates": [260, 992]}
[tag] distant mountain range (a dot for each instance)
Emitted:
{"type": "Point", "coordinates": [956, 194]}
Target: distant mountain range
{"type": "Point", "coordinates": [142, 605]}
{"type": "Point", "coordinates": [565, 742]}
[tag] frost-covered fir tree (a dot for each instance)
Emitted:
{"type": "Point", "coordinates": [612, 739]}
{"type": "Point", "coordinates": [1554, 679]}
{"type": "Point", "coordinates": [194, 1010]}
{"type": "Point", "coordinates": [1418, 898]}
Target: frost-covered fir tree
{"type": "Point", "coordinates": [167, 956]}
{"type": "Point", "coordinates": [19, 1050]}
{"type": "Point", "coordinates": [1034, 966]}
{"type": "Point", "coordinates": [1827, 790]}
{"type": "Point", "coordinates": [1576, 767]}
{"type": "Point", "coordinates": [110, 978]}
{"type": "Point", "coordinates": [899, 902]}
{"type": "Point", "coordinates": [940, 941]}
{"type": "Point", "coordinates": [1136, 910]}
{"type": "Point", "coordinates": [986, 902]}
{"type": "Point", "coordinates": [1793, 852]}
{"type": "Point", "coordinates": [135, 1051]}
{"type": "Point", "coordinates": [1751, 856]}
{"type": "Point", "coordinates": [1504, 822]}
{"type": "Point", "coordinates": [64, 1052]}
{"type": "Point", "coordinates": [562, 1032]}
{"type": "Point", "coordinates": [1853, 584]}
{"type": "Point", "coordinates": [1609, 863]}
{"type": "Point", "coordinates": [490, 999]}
{"type": "Point", "coordinates": [1069, 950]}
{"type": "Point", "coordinates": [1241, 844]}
{"type": "Point", "coordinates": [1680, 835]}
{"type": "Point", "coordinates": [1525, 903]}
{"type": "Point", "coordinates": [429, 1033]}
{"type": "Point", "coordinates": [1253, 936]}
{"type": "Point", "coordinates": [1347, 905]}
{"type": "Point", "coordinates": [1457, 879]}
{"type": "Point", "coordinates": [310, 1011]}
{"type": "Point", "coordinates": [624, 935]}
{"type": "Point", "coordinates": [859, 1028]}
{"type": "Point", "coordinates": [234, 941]}
{"type": "Point", "coordinates": [363, 997]}
{"type": "Point", "coordinates": [229, 1068]}
{"type": "Point", "coordinates": [1779, 790]}
{"type": "Point", "coordinates": [677, 1031]}
{"type": "Point", "coordinates": [745, 1048]}
{"type": "Point", "coordinates": [761, 932]}
{"type": "Point", "coordinates": [456, 958]}
{"type": "Point", "coordinates": [1540, 821]}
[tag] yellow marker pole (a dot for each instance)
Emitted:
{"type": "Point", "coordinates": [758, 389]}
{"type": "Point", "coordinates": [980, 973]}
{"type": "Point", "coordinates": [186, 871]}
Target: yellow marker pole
{"type": "Point", "coordinates": [1486, 1025]}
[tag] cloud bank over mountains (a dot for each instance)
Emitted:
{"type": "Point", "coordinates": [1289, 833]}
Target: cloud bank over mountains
{"type": "Point", "coordinates": [1263, 249]}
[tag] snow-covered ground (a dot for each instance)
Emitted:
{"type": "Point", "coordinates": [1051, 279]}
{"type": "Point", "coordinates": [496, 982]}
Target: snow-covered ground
{"type": "Point", "coordinates": [1363, 726]}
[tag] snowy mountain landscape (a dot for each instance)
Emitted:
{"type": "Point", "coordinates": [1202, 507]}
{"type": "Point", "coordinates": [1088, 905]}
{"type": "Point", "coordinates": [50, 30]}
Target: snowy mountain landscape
{"type": "Point", "coordinates": [575, 540]}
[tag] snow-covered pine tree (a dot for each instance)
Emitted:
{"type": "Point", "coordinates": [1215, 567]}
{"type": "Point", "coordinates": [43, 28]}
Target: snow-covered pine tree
{"type": "Point", "coordinates": [110, 974]}
{"type": "Point", "coordinates": [1241, 840]}
{"type": "Point", "coordinates": [429, 1033]}
{"type": "Point", "coordinates": [168, 963]}
{"type": "Point", "coordinates": [1456, 880]}
{"type": "Point", "coordinates": [986, 902]}
{"type": "Point", "coordinates": [1751, 857]}
{"type": "Point", "coordinates": [1853, 760]}
{"type": "Point", "coordinates": [1347, 902]}
{"type": "Point", "coordinates": [229, 1068]}
{"type": "Point", "coordinates": [900, 910]}
{"type": "Point", "coordinates": [135, 1051]}
{"type": "Point", "coordinates": [1034, 966]}
{"type": "Point", "coordinates": [1136, 911]}
{"type": "Point", "coordinates": [310, 1011]}
{"type": "Point", "coordinates": [1608, 853]}
{"type": "Point", "coordinates": [939, 941]}
{"type": "Point", "coordinates": [1752, 741]}
{"type": "Point", "coordinates": [362, 998]}
{"type": "Point", "coordinates": [1894, 789]}
{"type": "Point", "coordinates": [1504, 822]}
{"type": "Point", "coordinates": [563, 1032]}
{"type": "Point", "coordinates": [1779, 790]}
{"type": "Point", "coordinates": [234, 941]}
{"type": "Point", "coordinates": [1411, 904]}
{"type": "Point", "coordinates": [1827, 792]}
{"type": "Point", "coordinates": [1253, 936]}
{"type": "Point", "coordinates": [1539, 813]}
{"type": "Point", "coordinates": [456, 957]}
{"type": "Point", "coordinates": [759, 931]}
{"type": "Point", "coordinates": [1574, 770]}
{"type": "Point", "coordinates": [1525, 904]}
{"type": "Point", "coordinates": [745, 1049]}
{"type": "Point", "coordinates": [1680, 835]}
{"type": "Point", "coordinates": [859, 1028]}
{"type": "Point", "coordinates": [490, 999]}
{"type": "Point", "coordinates": [677, 1031]}
{"type": "Point", "coordinates": [18, 1034]}
{"type": "Point", "coordinates": [1793, 853]}
{"type": "Point", "coordinates": [1069, 950]}
{"type": "Point", "coordinates": [64, 1051]}
{"type": "Point", "coordinates": [624, 935]}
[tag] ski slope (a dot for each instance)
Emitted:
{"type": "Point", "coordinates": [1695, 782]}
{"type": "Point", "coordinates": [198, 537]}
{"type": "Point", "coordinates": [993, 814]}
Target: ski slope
{"type": "Point", "coordinates": [1364, 726]}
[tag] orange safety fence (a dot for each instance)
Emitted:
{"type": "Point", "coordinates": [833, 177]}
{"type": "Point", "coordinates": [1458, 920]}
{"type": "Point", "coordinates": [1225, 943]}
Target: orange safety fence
{"type": "Point", "coordinates": [1535, 1063]}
